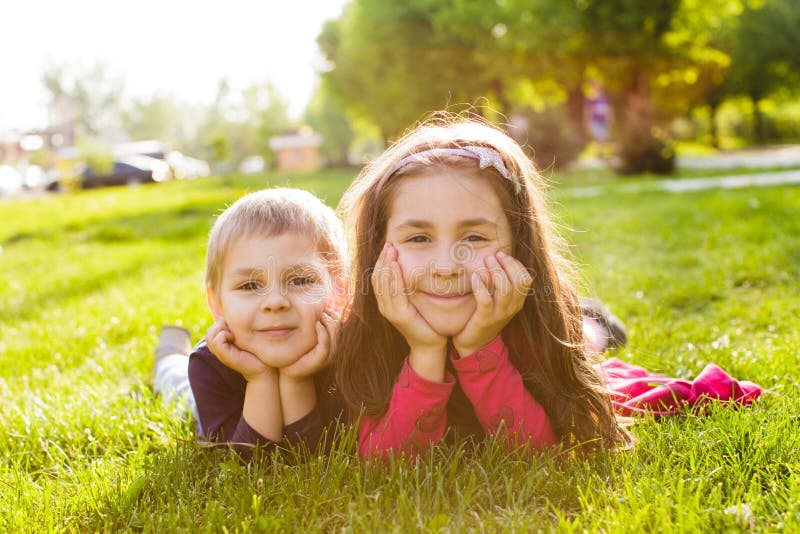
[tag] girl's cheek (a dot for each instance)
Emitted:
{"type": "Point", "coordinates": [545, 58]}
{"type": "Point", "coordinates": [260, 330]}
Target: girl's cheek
{"type": "Point", "coordinates": [478, 263]}
{"type": "Point", "coordinates": [406, 262]}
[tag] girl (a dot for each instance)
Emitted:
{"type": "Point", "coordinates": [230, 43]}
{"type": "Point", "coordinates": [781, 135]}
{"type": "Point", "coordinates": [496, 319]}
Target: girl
{"type": "Point", "coordinates": [463, 316]}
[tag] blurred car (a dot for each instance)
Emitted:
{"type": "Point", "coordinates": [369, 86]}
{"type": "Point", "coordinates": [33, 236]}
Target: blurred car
{"type": "Point", "coordinates": [128, 170]}
{"type": "Point", "coordinates": [186, 168]}
{"type": "Point", "coordinates": [10, 180]}
{"type": "Point", "coordinates": [37, 179]}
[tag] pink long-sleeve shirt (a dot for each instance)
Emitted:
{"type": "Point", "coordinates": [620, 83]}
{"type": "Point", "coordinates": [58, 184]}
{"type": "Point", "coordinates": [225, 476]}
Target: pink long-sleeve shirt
{"type": "Point", "coordinates": [419, 408]}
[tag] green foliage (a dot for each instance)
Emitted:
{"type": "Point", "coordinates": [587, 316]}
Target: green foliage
{"type": "Point", "coordinates": [158, 117]}
{"type": "Point", "coordinates": [389, 65]}
{"type": "Point", "coordinates": [96, 155]}
{"type": "Point", "coordinates": [329, 119]}
{"type": "Point", "coordinates": [240, 125]}
{"type": "Point", "coordinates": [761, 66]}
{"type": "Point", "coordinates": [88, 279]}
{"type": "Point", "coordinates": [393, 63]}
{"type": "Point", "coordinates": [87, 101]}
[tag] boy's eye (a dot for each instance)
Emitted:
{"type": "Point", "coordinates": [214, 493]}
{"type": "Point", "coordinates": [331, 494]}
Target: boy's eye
{"type": "Point", "coordinates": [250, 285]}
{"type": "Point", "coordinates": [301, 281]}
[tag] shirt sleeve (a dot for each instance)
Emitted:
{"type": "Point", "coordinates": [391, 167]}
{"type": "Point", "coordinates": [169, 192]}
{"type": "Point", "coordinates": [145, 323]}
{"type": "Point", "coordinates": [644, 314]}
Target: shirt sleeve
{"type": "Point", "coordinates": [416, 418]}
{"type": "Point", "coordinates": [501, 402]}
{"type": "Point", "coordinates": [219, 395]}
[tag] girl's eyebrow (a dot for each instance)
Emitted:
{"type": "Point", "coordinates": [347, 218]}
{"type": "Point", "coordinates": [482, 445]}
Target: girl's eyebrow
{"type": "Point", "coordinates": [420, 223]}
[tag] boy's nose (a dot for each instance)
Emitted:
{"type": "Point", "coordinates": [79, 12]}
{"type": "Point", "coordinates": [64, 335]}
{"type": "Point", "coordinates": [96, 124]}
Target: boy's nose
{"type": "Point", "coordinates": [274, 299]}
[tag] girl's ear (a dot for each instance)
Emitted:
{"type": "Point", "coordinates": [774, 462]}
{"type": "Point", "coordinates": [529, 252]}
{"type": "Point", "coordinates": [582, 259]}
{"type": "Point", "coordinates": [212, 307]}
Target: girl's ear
{"type": "Point", "coordinates": [213, 304]}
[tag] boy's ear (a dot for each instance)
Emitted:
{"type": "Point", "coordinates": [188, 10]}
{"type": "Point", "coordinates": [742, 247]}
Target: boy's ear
{"type": "Point", "coordinates": [340, 299]}
{"type": "Point", "coordinates": [213, 303]}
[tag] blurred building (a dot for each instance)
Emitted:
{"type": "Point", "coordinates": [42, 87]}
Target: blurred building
{"type": "Point", "coordinates": [296, 152]}
{"type": "Point", "coordinates": [9, 147]}
{"type": "Point", "coordinates": [17, 146]}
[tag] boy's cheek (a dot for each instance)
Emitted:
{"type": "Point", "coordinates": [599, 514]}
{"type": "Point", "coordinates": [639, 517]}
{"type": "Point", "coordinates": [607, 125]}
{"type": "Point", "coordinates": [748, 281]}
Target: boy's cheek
{"type": "Point", "coordinates": [337, 302]}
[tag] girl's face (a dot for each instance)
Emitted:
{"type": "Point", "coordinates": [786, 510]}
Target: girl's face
{"type": "Point", "coordinates": [272, 292]}
{"type": "Point", "coordinates": [443, 223]}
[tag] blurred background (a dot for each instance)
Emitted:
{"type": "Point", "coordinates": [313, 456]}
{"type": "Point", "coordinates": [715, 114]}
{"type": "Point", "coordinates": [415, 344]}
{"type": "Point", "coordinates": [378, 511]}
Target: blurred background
{"type": "Point", "coordinates": [98, 93]}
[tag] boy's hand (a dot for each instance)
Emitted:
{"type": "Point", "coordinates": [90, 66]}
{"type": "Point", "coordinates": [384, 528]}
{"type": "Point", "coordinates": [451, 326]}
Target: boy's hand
{"type": "Point", "coordinates": [500, 293]}
{"type": "Point", "coordinates": [392, 296]}
{"type": "Point", "coordinates": [320, 355]}
{"type": "Point", "coordinates": [220, 341]}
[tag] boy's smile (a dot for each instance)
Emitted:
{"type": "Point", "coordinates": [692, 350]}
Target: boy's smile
{"type": "Point", "coordinates": [273, 291]}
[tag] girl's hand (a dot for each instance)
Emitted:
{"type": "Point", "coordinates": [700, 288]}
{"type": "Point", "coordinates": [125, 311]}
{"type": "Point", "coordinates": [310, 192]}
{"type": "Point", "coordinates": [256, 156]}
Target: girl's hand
{"type": "Point", "coordinates": [220, 341]}
{"type": "Point", "coordinates": [392, 296]}
{"type": "Point", "coordinates": [320, 355]}
{"type": "Point", "coordinates": [500, 293]}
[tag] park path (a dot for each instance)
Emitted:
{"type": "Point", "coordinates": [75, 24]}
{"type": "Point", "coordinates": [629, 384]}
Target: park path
{"type": "Point", "coordinates": [788, 156]}
{"type": "Point", "coordinates": [750, 158]}
{"type": "Point", "coordinates": [689, 185]}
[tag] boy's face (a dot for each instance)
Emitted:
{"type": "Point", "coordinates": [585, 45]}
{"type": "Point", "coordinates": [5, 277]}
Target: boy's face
{"type": "Point", "coordinates": [443, 225]}
{"type": "Point", "coordinates": [272, 292]}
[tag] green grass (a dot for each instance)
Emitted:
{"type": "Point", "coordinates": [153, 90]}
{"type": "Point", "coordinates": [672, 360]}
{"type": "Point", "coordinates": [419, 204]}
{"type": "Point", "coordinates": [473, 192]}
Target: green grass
{"type": "Point", "coordinates": [88, 279]}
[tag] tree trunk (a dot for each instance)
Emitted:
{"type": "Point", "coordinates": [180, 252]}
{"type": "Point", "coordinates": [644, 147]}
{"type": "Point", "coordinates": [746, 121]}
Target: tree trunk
{"type": "Point", "coordinates": [575, 118]}
{"type": "Point", "coordinates": [636, 138]}
{"type": "Point", "coordinates": [758, 121]}
{"type": "Point", "coordinates": [642, 149]}
{"type": "Point", "coordinates": [713, 131]}
{"type": "Point", "coordinates": [498, 92]}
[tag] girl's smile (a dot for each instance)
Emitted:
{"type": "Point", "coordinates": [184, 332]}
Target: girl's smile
{"type": "Point", "coordinates": [440, 244]}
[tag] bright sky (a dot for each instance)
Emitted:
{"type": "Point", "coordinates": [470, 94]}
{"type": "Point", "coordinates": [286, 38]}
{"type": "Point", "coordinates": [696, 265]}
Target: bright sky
{"type": "Point", "coordinates": [177, 47]}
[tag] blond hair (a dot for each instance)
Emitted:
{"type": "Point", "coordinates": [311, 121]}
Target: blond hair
{"type": "Point", "coordinates": [274, 212]}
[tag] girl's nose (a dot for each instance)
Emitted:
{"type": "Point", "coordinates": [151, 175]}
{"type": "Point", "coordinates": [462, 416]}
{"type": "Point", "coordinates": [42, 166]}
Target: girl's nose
{"type": "Point", "coordinates": [447, 260]}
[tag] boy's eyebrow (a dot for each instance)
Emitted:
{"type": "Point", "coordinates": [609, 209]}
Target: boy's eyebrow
{"type": "Point", "coordinates": [251, 271]}
{"type": "Point", "coordinates": [245, 271]}
{"type": "Point", "coordinates": [421, 223]}
{"type": "Point", "coordinates": [308, 266]}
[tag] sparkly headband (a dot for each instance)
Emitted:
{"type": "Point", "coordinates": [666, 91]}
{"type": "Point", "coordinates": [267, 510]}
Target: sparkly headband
{"type": "Point", "coordinates": [487, 157]}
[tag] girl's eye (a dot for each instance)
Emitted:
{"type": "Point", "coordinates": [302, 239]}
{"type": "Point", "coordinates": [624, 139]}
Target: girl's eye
{"type": "Point", "coordinates": [475, 238]}
{"type": "Point", "coordinates": [417, 239]}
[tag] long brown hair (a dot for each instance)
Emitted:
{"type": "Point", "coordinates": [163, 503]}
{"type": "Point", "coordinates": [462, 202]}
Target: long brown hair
{"type": "Point", "coordinates": [544, 339]}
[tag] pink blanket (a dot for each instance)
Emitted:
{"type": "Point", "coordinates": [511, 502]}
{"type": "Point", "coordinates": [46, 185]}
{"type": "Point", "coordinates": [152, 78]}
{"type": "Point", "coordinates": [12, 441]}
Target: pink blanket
{"type": "Point", "coordinates": [636, 391]}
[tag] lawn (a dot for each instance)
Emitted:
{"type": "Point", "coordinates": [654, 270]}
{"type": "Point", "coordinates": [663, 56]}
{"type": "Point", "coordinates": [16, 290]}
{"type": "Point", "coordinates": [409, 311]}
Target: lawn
{"type": "Point", "coordinates": [87, 279]}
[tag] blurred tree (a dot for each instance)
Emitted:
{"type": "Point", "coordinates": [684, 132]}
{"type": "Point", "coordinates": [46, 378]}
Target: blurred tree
{"type": "Point", "coordinates": [658, 58]}
{"type": "Point", "coordinates": [85, 103]}
{"type": "Point", "coordinates": [240, 125]}
{"type": "Point", "coordinates": [389, 63]}
{"type": "Point", "coordinates": [766, 55]}
{"type": "Point", "coordinates": [158, 117]}
{"type": "Point", "coordinates": [329, 119]}
{"type": "Point", "coordinates": [265, 114]}
{"type": "Point", "coordinates": [393, 62]}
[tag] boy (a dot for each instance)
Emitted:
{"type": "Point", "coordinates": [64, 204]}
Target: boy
{"type": "Point", "coordinates": [276, 271]}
